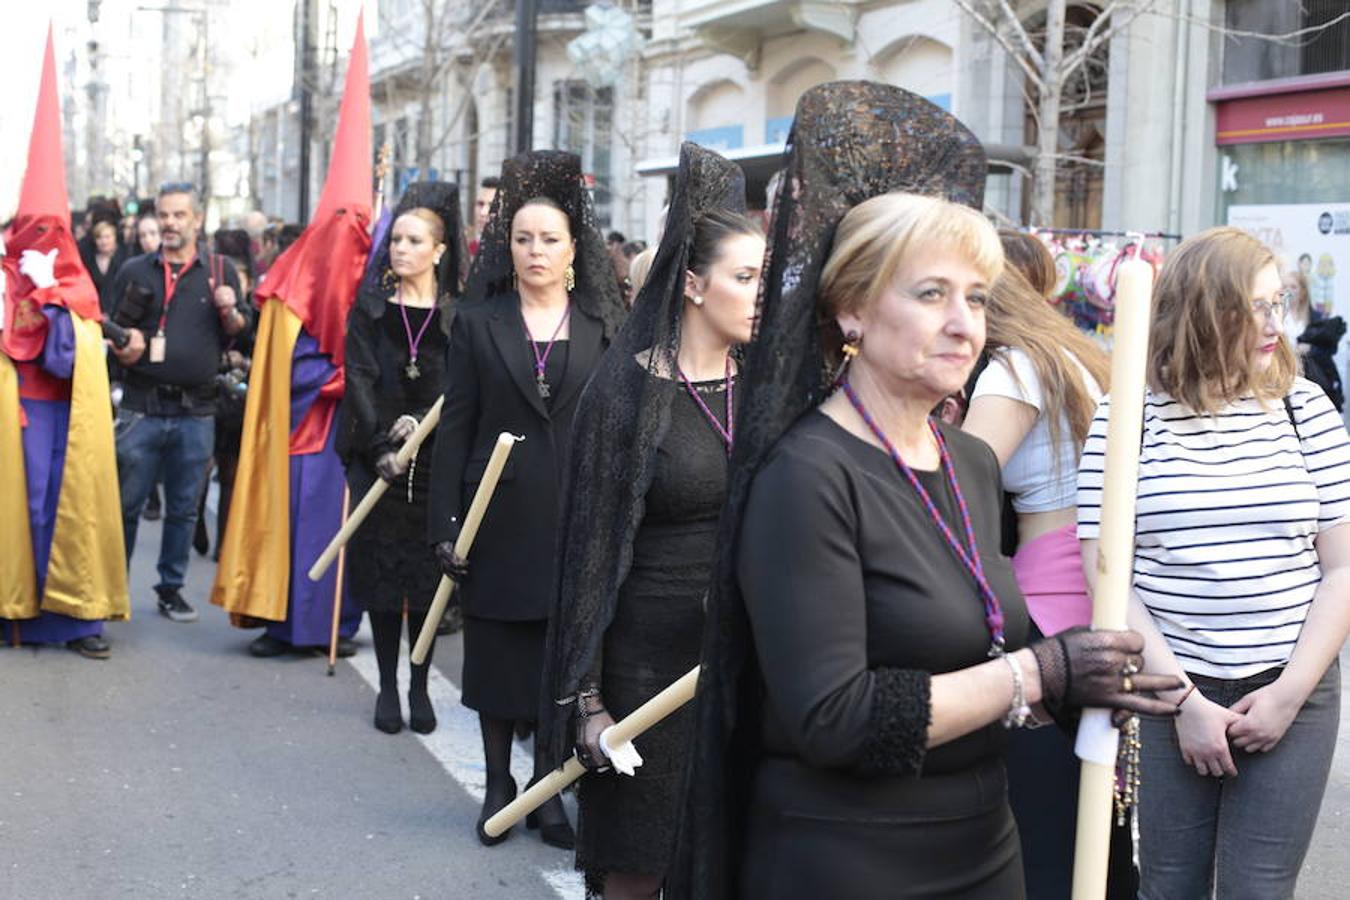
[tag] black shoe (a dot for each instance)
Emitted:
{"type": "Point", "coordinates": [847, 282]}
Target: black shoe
{"type": "Point", "coordinates": [556, 831]}
{"type": "Point", "coordinates": [173, 607]}
{"type": "Point", "coordinates": [200, 541]}
{"type": "Point", "coordinates": [421, 714]}
{"type": "Point", "coordinates": [92, 647]}
{"type": "Point", "coordinates": [152, 508]}
{"type": "Point", "coordinates": [451, 622]}
{"type": "Point", "coordinates": [388, 713]}
{"type": "Point", "coordinates": [494, 800]}
{"type": "Point", "coordinates": [346, 647]}
{"type": "Point", "coordinates": [266, 646]}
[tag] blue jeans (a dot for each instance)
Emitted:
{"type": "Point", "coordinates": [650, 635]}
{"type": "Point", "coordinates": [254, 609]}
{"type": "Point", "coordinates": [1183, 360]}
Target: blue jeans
{"type": "Point", "coordinates": [179, 448]}
{"type": "Point", "coordinates": [1243, 837]}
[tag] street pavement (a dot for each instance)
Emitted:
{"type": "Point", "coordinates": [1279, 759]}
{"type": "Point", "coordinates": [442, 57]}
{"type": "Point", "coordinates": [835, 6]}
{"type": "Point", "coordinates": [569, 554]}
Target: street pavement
{"type": "Point", "coordinates": [183, 768]}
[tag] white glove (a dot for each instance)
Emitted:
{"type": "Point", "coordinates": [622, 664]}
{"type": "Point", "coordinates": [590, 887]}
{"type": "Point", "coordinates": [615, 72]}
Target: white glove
{"type": "Point", "coordinates": [39, 267]}
{"type": "Point", "coordinates": [624, 757]}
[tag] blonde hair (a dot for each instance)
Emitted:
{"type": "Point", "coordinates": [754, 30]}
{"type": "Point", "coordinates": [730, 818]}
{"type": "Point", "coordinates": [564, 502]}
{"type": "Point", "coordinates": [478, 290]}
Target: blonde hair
{"type": "Point", "coordinates": [1017, 316]}
{"type": "Point", "coordinates": [640, 268]}
{"type": "Point", "coordinates": [1203, 328]}
{"type": "Point", "coordinates": [879, 234]}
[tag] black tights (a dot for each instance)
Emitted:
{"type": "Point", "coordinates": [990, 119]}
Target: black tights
{"type": "Point", "coordinates": [497, 737]}
{"type": "Point", "coordinates": [386, 630]}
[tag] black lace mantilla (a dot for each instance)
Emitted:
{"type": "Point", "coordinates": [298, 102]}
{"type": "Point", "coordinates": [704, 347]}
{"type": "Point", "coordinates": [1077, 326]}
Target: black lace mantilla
{"type": "Point", "coordinates": [850, 141]}
{"type": "Point", "coordinates": [621, 420]}
{"type": "Point", "coordinates": [557, 176]}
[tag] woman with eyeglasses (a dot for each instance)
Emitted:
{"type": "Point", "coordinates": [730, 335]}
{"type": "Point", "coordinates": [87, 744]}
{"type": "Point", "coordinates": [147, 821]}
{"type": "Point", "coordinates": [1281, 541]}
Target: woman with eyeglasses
{"type": "Point", "coordinates": [1241, 574]}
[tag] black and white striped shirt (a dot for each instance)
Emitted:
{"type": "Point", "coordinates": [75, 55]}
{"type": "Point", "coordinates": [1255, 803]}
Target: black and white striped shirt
{"type": "Point", "coordinates": [1228, 511]}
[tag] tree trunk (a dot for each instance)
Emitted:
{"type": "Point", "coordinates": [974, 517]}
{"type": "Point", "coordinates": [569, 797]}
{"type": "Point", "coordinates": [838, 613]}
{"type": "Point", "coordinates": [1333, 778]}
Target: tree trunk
{"type": "Point", "coordinates": [427, 91]}
{"type": "Point", "coordinates": [1047, 141]}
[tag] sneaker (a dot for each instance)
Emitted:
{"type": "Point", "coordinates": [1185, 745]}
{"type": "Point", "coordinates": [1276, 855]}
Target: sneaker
{"type": "Point", "coordinates": [95, 646]}
{"type": "Point", "coordinates": [174, 608]}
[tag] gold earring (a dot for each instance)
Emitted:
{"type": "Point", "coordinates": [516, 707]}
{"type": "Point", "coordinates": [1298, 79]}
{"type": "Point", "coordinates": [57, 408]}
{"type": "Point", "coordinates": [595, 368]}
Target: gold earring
{"type": "Point", "coordinates": [388, 278]}
{"type": "Point", "coordinates": [849, 350]}
{"type": "Point", "coordinates": [569, 278]}
{"type": "Point", "coordinates": [514, 284]}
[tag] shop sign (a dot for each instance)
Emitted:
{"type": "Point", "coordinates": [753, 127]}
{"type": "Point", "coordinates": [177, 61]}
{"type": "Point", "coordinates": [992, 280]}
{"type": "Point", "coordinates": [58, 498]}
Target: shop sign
{"type": "Point", "coordinates": [1285, 117]}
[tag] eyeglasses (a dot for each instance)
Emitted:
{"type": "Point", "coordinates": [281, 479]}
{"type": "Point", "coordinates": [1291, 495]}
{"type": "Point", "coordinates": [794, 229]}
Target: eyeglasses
{"type": "Point", "coordinates": [1273, 309]}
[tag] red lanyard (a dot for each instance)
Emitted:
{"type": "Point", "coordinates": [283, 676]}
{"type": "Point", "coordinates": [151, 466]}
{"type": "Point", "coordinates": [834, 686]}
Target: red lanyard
{"type": "Point", "coordinates": [172, 278]}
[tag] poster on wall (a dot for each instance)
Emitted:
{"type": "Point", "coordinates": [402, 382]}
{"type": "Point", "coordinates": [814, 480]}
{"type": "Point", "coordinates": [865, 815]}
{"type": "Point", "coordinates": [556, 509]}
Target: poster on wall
{"type": "Point", "coordinates": [1314, 237]}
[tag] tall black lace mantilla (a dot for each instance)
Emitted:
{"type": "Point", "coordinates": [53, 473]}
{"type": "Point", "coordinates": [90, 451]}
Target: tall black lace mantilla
{"type": "Point", "coordinates": [360, 416]}
{"type": "Point", "coordinates": [850, 141]}
{"type": "Point", "coordinates": [621, 420]}
{"type": "Point", "coordinates": [555, 175]}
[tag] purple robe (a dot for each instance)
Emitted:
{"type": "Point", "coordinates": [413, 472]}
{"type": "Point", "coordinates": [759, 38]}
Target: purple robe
{"type": "Point", "coordinates": [44, 459]}
{"type": "Point", "coordinates": [316, 515]}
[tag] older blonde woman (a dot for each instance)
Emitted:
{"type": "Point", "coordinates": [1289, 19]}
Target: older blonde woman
{"type": "Point", "coordinates": [893, 649]}
{"type": "Point", "coordinates": [1242, 570]}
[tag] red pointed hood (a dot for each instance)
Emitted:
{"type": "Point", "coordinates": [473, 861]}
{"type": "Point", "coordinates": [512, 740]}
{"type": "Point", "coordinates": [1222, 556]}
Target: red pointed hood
{"type": "Point", "coordinates": [318, 275]}
{"type": "Point", "coordinates": [42, 224]}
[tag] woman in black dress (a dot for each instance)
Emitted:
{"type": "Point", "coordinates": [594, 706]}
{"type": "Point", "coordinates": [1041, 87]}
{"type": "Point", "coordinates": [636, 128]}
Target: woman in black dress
{"type": "Point", "coordinates": [540, 309]}
{"type": "Point", "coordinates": [397, 334]}
{"type": "Point", "coordinates": [653, 435]}
{"type": "Point", "coordinates": [861, 592]}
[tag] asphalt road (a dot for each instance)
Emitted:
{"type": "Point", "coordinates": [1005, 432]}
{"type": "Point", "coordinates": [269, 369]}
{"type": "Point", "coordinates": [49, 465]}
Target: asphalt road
{"type": "Point", "coordinates": [183, 768]}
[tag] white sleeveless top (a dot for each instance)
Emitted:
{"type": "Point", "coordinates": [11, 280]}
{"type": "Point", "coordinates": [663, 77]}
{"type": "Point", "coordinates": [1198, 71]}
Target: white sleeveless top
{"type": "Point", "coordinates": [1041, 477]}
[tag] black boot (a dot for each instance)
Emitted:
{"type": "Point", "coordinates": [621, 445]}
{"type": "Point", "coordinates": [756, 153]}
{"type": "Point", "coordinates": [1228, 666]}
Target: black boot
{"type": "Point", "coordinates": [385, 628]}
{"type": "Point", "coordinates": [421, 714]}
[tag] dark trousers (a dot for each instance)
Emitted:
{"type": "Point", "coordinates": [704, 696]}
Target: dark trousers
{"type": "Point", "coordinates": [178, 447]}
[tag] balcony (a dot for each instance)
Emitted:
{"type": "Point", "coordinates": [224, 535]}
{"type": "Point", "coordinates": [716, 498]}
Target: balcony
{"type": "Point", "coordinates": [739, 26]}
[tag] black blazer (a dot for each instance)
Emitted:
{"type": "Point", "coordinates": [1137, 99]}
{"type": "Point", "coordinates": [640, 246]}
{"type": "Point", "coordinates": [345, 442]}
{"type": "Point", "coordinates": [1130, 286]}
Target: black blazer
{"type": "Point", "coordinates": [490, 389]}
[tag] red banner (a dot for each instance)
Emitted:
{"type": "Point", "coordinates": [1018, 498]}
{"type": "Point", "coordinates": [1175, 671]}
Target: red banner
{"type": "Point", "coordinates": [1285, 117]}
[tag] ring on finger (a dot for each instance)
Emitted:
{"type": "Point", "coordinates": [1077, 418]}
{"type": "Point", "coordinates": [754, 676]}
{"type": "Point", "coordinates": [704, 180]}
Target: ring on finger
{"type": "Point", "coordinates": [1127, 684]}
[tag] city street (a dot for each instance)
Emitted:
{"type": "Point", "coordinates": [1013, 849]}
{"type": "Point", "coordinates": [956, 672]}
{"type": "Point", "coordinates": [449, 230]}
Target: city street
{"type": "Point", "coordinates": [183, 768]}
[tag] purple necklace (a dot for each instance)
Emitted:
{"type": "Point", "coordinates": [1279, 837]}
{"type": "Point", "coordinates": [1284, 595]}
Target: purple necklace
{"type": "Point", "coordinates": [969, 555]}
{"type": "Point", "coordinates": [411, 369]}
{"type": "Point", "coordinates": [729, 433]}
{"type": "Point", "coordinates": [541, 359]}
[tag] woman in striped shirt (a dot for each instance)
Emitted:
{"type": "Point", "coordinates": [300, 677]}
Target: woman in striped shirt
{"type": "Point", "coordinates": [1242, 577]}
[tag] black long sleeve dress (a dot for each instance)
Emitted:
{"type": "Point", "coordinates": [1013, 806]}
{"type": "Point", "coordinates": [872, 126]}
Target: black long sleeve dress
{"type": "Point", "coordinates": [388, 557]}
{"type": "Point", "coordinates": [855, 601]}
{"type": "Point", "coordinates": [628, 824]}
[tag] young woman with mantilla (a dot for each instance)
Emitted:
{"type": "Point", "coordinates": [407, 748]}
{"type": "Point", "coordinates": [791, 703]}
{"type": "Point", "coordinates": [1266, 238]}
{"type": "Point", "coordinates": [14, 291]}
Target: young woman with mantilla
{"type": "Point", "coordinates": [540, 309]}
{"type": "Point", "coordinates": [653, 437]}
{"type": "Point", "coordinates": [871, 640]}
{"type": "Point", "coordinates": [397, 334]}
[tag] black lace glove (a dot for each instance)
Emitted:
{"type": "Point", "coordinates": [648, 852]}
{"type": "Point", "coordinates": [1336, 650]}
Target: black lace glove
{"type": "Point", "coordinates": [389, 468]}
{"type": "Point", "coordinates": [1082, 668]}
{"type": "Point", "coordinates": [452, 564]}
{"type": "Point", "coordinates": [592, 718]}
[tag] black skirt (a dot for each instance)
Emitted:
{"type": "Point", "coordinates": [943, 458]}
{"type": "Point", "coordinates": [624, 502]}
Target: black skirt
{"type": "Point", "coordinates": [503, 667]}
{"type": "Point", "coordinates": [389, 561]}
{"type": "Point", "coordinates": [816, 833]}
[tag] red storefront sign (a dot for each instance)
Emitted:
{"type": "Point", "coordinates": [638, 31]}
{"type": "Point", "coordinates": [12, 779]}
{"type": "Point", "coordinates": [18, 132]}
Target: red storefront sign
{"type": "Point", "coordinates": [1284, 117]}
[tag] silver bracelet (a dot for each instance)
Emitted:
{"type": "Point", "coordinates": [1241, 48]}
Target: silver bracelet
{"type": "Point", "coordinates": [1018, 712]}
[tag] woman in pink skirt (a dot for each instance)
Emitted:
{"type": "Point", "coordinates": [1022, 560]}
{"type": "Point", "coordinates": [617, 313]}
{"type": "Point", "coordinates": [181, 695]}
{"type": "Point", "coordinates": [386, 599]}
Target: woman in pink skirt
{"type": "Point", "coordinates": [1033, 404]}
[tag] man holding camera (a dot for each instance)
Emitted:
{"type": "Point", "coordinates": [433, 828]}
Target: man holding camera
{"type": "Point", "coordinates": [165, 424]}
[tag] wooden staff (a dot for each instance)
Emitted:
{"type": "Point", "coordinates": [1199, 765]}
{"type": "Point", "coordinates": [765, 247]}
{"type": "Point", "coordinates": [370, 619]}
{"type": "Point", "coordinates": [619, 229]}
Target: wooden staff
{"type": "Point", "coordinates": [1097, 740]}
{"type": "Point", "coordinates": [337, 590]}
{"type": "Point", "coordinates": [464, 543]}
{"type": "Point", "coordinates": [632, 726]}
{"type": "Point", "coordinates": [353, 522]}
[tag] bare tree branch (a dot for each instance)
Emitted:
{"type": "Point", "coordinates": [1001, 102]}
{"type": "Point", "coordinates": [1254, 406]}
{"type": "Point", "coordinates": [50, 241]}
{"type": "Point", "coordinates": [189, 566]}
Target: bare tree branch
{"type": "Point", "coordinates": [1020, 35]}
{"type": "Point", "coordinates": [1097, 36]}
{"type": "Point", "coordinates": [1031, 72]}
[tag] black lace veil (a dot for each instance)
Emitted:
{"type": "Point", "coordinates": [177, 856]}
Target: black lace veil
{"type": "Point", "coordinates": [850, 141]}
{"type": "Point", "coordinates": [556, 175]}
{"type": "Point", "coordinates": [621, 420]}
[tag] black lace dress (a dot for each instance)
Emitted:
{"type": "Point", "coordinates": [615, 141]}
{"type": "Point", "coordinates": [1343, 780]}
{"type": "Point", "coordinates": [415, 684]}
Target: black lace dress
{"type": "Point", "coordinates": [627, 823]}
{"type": "Point", "coordinates": [388, 559]}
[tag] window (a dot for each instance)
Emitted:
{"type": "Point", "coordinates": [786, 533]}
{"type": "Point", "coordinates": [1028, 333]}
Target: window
{"type": "Point", "coordinates": [583, 123]}
{"type": "Point", "coordinates": [1256, 59]}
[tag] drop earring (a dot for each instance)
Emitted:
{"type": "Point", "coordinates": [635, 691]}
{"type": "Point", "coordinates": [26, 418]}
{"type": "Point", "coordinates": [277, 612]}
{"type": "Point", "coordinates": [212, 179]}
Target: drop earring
{"type": "Point", "coordinates": [849, 350]}
{"type": "Point", "coordinates": [569, 279]}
